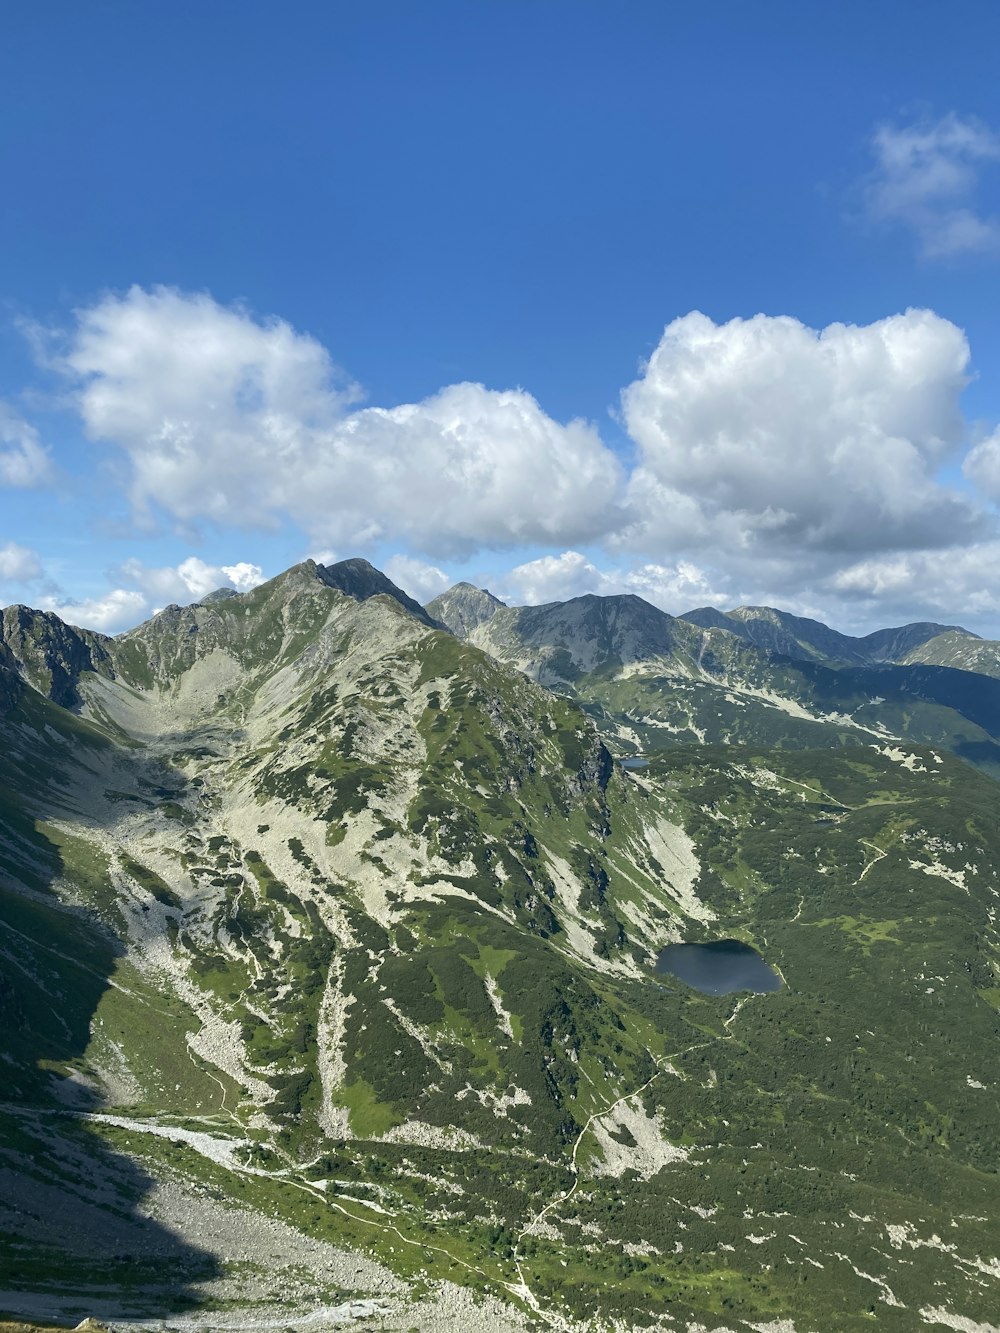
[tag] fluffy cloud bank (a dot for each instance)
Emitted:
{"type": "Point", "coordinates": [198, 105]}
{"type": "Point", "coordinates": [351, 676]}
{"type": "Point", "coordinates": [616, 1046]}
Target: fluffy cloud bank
{"type": "Point", "coordinates": [555, 578]}
{"type": "Point", "coordinates": [759, 433]}
{"type": "Point", "coordinates": [982, 467]}
{"type": "Point", "coordinates": [765, 436]}
{"type": "Point", "coordinates": [803, 467]}
{"type": "Point", "coordinates": [244, 423]}
{"type": "Point", "coordinates": [954, 586]}
{"type": "Point", "coordinates": [773, 461]}
{"type": "Point", "coordinates": [189, 580]}
{"type": "Point", "coordinates": [421, 580]}
{"type": "Point", "coordinates": [149, 590]}
{"type": "Point", "coordinates": [119, 609]}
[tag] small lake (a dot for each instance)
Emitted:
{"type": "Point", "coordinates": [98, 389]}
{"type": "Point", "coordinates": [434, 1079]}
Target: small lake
{"type": "Point", "coordinates": [718, 967]}
{"type": "Point", "coordinates": [635, 761]}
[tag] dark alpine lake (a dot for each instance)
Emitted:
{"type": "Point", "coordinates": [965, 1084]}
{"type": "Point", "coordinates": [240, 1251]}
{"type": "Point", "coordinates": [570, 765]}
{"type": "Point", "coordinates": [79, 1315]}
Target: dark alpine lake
{"type": "Point", "coordinates": [718, 967]}
{"type": "Point", "coordinates": [635, 761]}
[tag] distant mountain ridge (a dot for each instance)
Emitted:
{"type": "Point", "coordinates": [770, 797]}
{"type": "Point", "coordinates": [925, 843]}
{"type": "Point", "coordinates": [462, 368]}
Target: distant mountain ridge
{"type": "Point", "coordinates": [466, 610]}
{"type": "Point", "coordinates": [753, 674]}
{"type": "Point", "coordinates": [559, 641]}
{"type": "Point", "coordinates": [810, 640]}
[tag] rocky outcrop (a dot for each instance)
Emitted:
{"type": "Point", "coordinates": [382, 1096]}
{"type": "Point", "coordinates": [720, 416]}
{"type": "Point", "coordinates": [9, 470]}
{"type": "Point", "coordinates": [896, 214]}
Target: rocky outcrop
{"type": "Point", "coordinates": [51, 655]}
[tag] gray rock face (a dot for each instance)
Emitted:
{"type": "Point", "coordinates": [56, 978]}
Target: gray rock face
{"type": "Point", "coordinates": [361, 580]}
{"type": "Point", "coordinates": [51, 655]}
{"type": "Point", "coordinates": [465, 608]}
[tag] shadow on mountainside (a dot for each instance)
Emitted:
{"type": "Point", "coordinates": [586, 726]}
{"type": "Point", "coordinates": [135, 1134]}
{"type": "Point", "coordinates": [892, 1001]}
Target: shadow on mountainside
{"type": "Point", "coordinates": [75, 1235]}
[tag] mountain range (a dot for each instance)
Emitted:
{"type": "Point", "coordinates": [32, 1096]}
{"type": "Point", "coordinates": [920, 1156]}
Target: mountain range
{"type": "Point", "coordinates": [751, 675]}
{"type": "Point", "coordinates": [329, 927]}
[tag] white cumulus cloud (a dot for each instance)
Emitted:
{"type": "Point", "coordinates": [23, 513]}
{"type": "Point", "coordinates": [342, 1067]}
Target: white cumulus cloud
{"type": "Point", "coordinates": [19, 564]}
{"type": "Point", "coordinates": [552, 578]}
{"type": "Point", "coordinates": [244, 422]}
{"type": "Point", "coordinates": [556, 578]}
{"type": "Point", "coordinates": [117, 610]}
{"type": "Point", "coordinates": [148, 587]}
{"type": "Point", "coordinates": [982, 466]}
{"type": "Point", "coordinates": [952, 586]}
{"type": "Point", "coordinates": [773, 462]}
{"type": "Point", "coordinates": [189, 580]}
{"type": "Point", "coordinates": [416, 577]}
{"type": "Point", "coordinates": [678, 587]}
{"type": "Point", "coordinates": [926, 178]}
{"type": "Point", "coordinates": [762, 438]}
{"type": "Point", "coordinates": [24, 460]}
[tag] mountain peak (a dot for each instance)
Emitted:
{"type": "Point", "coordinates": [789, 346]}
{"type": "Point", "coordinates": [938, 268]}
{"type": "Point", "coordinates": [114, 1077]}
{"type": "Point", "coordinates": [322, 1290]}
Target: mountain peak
{"type": "Point", "coordinates": [360, 579]}
{"type": "Point", "coordinates": [708, 617]}
{"type": "Point", "coordinates": [464, 607]}
{"type": "Point", "coordinates": [892, 644]}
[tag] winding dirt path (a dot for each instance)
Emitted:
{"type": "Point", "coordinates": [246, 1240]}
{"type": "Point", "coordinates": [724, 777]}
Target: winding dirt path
{"type": "Point", "coordinates": [868, 865]}
{"type": "Point", "coordinates": [523, 1288]}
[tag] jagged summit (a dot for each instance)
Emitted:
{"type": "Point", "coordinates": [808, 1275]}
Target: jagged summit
{"type": "Point", "coordinates": [795, 636]}
{"type": "Point", "coordinates": [219, 595]}
{"type": "Point", "coordinates": [356, 577]}
{"type": "Point", "coordinates": [708, 617]}
{"type": "Point", "coordinates": [894, 645]}
{"type": "Point", "coordinates": [464, 607]}
{"type": "Point", "coordinates": [959, 649]}
{"type": "Point", "coordinates": [557, 641]}
{"type": "Point", "coordinates": [258, 626]}
{"type": "Point", "coordinates": [361, 580]}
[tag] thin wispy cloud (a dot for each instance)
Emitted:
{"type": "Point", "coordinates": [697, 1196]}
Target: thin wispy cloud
{"type": "Point", "coordinates": [927, 179]}
{"type": "Point", "coordinates": [24, 460]}
{"type": "Point", "coordinates": [19, 564]}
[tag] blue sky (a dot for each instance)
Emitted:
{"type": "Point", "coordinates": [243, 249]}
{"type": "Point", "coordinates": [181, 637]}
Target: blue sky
{"type": "Point", "coordinates": [340, 280]}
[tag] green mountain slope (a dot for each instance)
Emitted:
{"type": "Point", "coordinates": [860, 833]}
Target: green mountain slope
{"type": "Point", "coordinates": [955, 648]}
{"type": "Point", "coordinates": [313, 910]}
